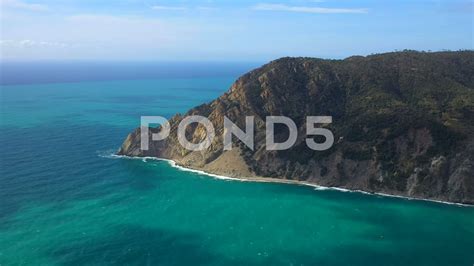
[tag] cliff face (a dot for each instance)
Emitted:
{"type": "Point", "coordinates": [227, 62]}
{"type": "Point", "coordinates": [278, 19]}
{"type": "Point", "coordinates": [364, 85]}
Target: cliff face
{"type": "Point", "coordinates": [403, 124]}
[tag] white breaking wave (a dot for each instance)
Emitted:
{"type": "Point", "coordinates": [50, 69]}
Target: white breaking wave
{"type": "Point", "coordinates": [228, 178]}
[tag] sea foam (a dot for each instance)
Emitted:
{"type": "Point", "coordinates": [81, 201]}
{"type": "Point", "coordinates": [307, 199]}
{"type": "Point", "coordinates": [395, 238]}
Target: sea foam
{"type": "Point", "coordinates": [274, 180]}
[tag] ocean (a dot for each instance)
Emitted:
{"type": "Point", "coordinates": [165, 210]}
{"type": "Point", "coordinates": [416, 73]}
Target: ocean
{"type": "Point", "coordinates": [64, 200]}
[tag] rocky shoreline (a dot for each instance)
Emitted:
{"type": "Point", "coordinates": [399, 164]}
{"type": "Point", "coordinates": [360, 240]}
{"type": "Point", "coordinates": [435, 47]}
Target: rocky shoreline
{"type": "Point", "coordinates": [260, 179]}
{"type": "Point", "coordinates": [404, 125]}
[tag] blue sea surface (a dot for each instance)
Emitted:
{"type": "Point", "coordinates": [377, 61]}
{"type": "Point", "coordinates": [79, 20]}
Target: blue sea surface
{"type": "Point", "coordinates": [65, 201]}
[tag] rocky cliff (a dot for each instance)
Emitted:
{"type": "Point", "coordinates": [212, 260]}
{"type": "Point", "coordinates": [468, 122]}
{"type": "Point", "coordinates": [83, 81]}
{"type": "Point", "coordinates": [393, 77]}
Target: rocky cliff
{"type": "Point", "coordinates": [403, 124]}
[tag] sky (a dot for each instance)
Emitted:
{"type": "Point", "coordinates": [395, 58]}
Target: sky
{"type": "Point", "coordinates": [212, 30]}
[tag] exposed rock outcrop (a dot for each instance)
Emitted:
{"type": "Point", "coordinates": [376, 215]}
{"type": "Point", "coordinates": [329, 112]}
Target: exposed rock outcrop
{"type": "Point", "coordinates": [403, 124]}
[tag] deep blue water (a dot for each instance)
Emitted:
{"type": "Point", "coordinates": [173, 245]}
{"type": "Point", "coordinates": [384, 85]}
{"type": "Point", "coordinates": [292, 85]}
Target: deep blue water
{"type": "Point", "coordinates": [14, 73]}
{"type": "Point", "coordinates": [65, 201]}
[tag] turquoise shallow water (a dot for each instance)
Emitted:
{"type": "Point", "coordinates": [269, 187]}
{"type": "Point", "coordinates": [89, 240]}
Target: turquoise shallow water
{"type": "Point", "coordinates": [63, 201]}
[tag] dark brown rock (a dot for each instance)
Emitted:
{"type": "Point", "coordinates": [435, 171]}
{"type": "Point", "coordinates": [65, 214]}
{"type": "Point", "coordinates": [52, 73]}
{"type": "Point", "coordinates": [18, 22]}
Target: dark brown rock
{"type": "Point", "coordinates": [403, 124]}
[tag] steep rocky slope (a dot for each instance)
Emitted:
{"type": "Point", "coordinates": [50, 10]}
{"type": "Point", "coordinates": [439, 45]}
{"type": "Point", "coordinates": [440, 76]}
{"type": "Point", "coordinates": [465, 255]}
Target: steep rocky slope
{"type": "Point", "coordinates": [403, 124]}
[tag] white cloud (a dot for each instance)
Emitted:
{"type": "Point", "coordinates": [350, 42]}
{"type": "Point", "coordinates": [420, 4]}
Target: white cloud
{"type": "Point", "coordinates": [17, 4]}
{"type": "Point", "coordinates": [94, 36]}
{"type": "Point", "coordinates": [170, 8]}
{"type": "Point", "coordinates": [31, 43]}
{"type": "Point", "coordinates": [6, 42]}
{"type": "Point", "coordinates": [307, 9]}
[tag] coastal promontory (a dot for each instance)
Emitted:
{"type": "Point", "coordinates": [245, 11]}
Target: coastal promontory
{"type": "Point", "coordinates": [403, 124]}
